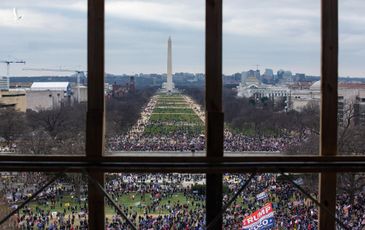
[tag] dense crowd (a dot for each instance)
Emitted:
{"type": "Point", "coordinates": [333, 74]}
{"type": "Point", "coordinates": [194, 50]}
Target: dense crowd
{"type": "Point", "coordinates": [5, 148]}
{"type": "Point", "coordinates": [181, 141]}
{"type": "Point", "coordinates": [352, 216]}
{"type": "Point", "coordinates": [19, 186]}
{"type": "Point", "coordinates": [156, 208]}
{"type": "Point", "coordinates": [292, 209]}
{"type": "Point", "coordinates": [159, 215]}
{"type": "Point", "coordinates": [166, 138]}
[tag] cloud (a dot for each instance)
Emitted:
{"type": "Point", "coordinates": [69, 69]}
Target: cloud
{"type": "Point", "coordinates": [273, 33]}
{"type": "Point", "coordinates": [172, 14]}
{"type": "Point", "coordinates": [35, 20]}
{"type": "Point", "coordinates": [271, 18]}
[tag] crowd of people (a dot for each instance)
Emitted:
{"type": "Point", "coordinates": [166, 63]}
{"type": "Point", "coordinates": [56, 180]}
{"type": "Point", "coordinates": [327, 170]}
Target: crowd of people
{"type": "Point", "coordinates": [6, 149]}
{"type": "Point", "coordinates": [173, 214]}
{"type": "Point", "coordinates": [153, 203]}
{"type": "Point", "coordinates": [292, 209]}
{"type": "Point", "coordinates": [189, 137]}
{"type": "Point", "coordinates": [181, 141]}
{"type": "Point", "coordinates": [153, 196]}
{"type": "Point", "coordinates": [42, 214]}
{"type": "Point", "coordinates": [352, 215]}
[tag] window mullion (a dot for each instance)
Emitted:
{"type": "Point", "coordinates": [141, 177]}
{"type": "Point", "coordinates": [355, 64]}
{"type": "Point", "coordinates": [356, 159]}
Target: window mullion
{"type": "Point", "coordinates": [213, 102]}
{"type": "Point", "coordinates": [95, 113]}
{"type": "Point", "coordinates": [329, 76]}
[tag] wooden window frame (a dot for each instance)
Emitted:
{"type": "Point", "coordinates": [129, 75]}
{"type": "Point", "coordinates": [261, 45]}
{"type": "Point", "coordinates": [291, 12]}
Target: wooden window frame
{"type": "Point", "coordinates": [214, 164]}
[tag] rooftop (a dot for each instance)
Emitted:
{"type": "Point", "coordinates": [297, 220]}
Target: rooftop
{"type": "Point", "coordinates": [50, 86]}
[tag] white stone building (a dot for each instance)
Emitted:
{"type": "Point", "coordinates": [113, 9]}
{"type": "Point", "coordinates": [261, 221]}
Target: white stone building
{"type": "Point", "coordinates": [48, 95]}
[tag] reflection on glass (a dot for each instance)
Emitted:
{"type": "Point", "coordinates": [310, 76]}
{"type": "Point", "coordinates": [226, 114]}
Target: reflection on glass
{"type": "Point", "coordinates": [158, 201]}
{"type": "Point", "coordinates": [63, 205]}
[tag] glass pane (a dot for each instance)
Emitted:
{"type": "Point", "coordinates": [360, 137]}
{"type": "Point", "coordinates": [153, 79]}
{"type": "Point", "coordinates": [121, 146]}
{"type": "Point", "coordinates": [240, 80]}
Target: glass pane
{"type": "Point", "coordinates": [351, 199]}
{"type": "Point", "coordinates": [280, 204]}
{"type": "Point", "coordinates": [62, 205]}
{"type": "Point", "coordinates": [154, 59]}
{"type": "Point", "coordinates": [271, 67]}
{"type": "Point", "coordinates": [351, 82]}
{"type": "Point", "coordinates": [42, 77]}
{"type": "Point", "coordinates": [157, 201]}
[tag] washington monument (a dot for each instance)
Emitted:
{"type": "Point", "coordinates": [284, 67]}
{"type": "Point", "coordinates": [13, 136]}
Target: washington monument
{"type": "Point", "coordinates": [169, 85]}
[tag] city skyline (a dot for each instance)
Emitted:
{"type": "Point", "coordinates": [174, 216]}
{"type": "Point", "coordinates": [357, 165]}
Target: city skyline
{"type": "Point", "coordinates": [53, 34]}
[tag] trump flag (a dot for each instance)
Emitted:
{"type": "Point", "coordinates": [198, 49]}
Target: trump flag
{"type": "Point", "coordinates": [261, 219]}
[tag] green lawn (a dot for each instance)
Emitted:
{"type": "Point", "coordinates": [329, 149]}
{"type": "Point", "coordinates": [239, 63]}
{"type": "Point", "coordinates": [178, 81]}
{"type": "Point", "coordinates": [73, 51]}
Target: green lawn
{"type": "Point", "coordinates": [172, 104]}
{"type": "Point", "coordinates": [137, 204]}
{"type": "Point", "coordinates": [175, 116]}
{"type": "Point", "coordinates": [190, 118]}
{"type": "Point", "coordinates": [58, 207]}
{"type": "Point", "coordinates": [173, 110]}
{"type": "Point", "coordinates": [171, 99]}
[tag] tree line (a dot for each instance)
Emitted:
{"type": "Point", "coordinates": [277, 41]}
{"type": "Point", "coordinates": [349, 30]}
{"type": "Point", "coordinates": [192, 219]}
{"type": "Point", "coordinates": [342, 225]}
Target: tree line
{"type": "Point", "coordinates": [61, 130]}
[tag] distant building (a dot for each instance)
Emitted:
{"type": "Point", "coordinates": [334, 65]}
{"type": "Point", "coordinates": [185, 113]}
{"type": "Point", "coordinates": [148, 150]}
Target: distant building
{"type": "Point", "coordinates": [13, 99]}
{"type": "Point", "coordinates": [280, 74]}
{"type": "Point", "coordinates": [119, 90]}
{"type": "Point", "coordinates": [299, 96]}
{"type": "Point", "coordinates": [250, 86]}
{"type": "Point", "coordinates": [83, 93]}
{"type": "Point", "coordinates": [349, 94]}
{"type": "Point", "coordinates": [268, 77]}
{"type": "Point", "coordinates": [244, 75]}
{"type": "Point", "coordinates": [287, 77]}
{"type": "Point", "coordinates": [284, 76]}
{"type": "Point", "coordinates": [52, 86]}
{"type": "Point", "coordinates": [48, 95]}
{"type": "Point", "coordinates": [300, 85]}
{"type": "Point", "coordinates": [269, 73]}
{"type": "Point", "coordinates": [4, 83]}
{"type": "Point", "coordinates": [259, 91]}
{"type": "Point", "coordinates": [299, 77]}
{"type": "Point", "coordinates": [132, 84]}
{"type": "Point", "coordinates": [360, 108]}
{"type": "Point", "coordinates": [250, 77]}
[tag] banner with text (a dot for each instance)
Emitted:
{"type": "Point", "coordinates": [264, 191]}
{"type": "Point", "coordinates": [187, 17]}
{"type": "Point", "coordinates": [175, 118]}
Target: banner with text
{"type": "Point", "coordinates": [262, 196]}
{"type": "Point", "coordinates": [260, 220]}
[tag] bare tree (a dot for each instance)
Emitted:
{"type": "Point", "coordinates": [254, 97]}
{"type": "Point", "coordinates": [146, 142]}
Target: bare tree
{"type": "Point", "coordinates": [37, 142]}
{"type": "Point", "coordinates": [350, 142]}
{"type": "Point", "coordinates": [53, 121]}
{"type": "Point", "coordinates": [12, 125]}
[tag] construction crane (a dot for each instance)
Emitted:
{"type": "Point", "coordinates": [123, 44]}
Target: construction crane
{"type": "Point", "coordinates": [8, 62]}
{"type": "Point", "coordinates": [79, 74]}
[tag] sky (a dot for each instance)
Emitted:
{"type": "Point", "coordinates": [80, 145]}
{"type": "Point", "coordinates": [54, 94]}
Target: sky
{"type": "Point", "coordinates": [276, 34]}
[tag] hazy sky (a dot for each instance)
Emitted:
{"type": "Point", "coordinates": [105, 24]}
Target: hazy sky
{"type": "Point", "coordinates": [277, 34]}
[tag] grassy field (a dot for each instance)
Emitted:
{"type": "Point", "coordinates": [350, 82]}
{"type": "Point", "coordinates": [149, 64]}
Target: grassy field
{"type": "Point", "coordinates": [172, 104]}
{"type": "Point", "coordinates": [139, 205]}
{"type": "Point", "coordinates": [174, 110]}
{"type": "Point", "coordinates": [59, 206]}
{"type": "Point", "coordinates": [133, 201]}
{"type": "Point", "coordinates": [189, 118]}
{"type": "Point", "coordinates": [171, 99]}
{"type": "Point", "coordinates": [173, 114]}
